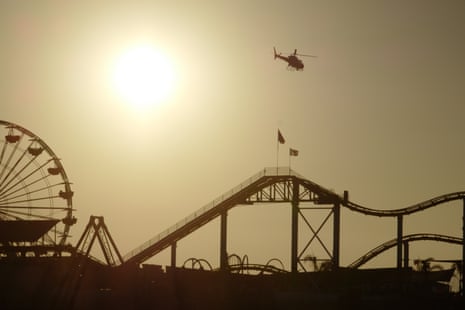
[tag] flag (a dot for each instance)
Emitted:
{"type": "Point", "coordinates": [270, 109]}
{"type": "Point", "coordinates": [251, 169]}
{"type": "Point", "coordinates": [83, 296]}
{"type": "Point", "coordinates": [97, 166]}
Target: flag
{"type": "Point", "coordinates": [280, 137]}
{"type": "Point", "coordinates": [293, 152]}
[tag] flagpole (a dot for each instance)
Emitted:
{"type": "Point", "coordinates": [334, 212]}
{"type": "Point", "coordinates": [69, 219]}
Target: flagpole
{"type": "Point", "coordinates": [277, 157]}
{"type": "Point", "coordinates": [292, 152]}
{"type": "Point", "coordinates": [289, 162]}
{"type": "Point", "coordinates": [281, 140]}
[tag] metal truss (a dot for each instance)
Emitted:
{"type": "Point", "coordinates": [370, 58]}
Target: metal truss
{"type": "Point", "coordinates": [272, 185]}
{"type": "Point", "coordinates": [96, 229]}
{"type": "Point", "coordinates": [282, 185]}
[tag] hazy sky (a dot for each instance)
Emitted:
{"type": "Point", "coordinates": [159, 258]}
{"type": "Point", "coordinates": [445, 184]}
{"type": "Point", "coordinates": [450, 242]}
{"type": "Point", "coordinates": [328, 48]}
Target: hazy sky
{"type": "Point", "coordinates": [379, 113]}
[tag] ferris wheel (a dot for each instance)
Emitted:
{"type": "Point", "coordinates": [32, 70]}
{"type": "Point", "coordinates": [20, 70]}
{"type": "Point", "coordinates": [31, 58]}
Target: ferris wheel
{"type": "Point", "coordinates": [35, 193]}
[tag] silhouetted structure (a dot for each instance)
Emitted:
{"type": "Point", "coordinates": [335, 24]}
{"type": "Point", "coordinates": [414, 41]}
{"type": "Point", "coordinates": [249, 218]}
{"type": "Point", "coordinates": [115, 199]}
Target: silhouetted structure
{"type": "Point", "coordinates": [38, 269]}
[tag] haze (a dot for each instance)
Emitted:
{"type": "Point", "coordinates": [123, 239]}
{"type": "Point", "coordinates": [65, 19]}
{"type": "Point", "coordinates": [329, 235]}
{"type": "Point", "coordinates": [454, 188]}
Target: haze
{"type": "Point", "coordinates": [379, 113]}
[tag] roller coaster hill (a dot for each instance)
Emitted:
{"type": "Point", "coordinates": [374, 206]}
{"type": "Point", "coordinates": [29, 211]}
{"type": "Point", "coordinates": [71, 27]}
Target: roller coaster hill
{"type": "Point", "coordinates": [39, 268]}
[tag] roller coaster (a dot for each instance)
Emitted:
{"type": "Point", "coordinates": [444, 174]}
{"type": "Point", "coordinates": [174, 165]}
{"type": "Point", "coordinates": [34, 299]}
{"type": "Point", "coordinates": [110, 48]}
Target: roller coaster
{"type": "Point", "coordinates": [35, 193]}
{"type": "Point", "coordinates": [36, 215]}
{"type": "Point", "coordinates": [405, 240]}
{"type": "Point", "coordinates": [280, 185]}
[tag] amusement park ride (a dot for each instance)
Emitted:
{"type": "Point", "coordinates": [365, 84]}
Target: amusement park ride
{"type": "Point", "coordinates": [293, 62]}
{"type": "Point", "coordinates": [36, 214]}
{"type": "Point", "coordinates": [36, 210]}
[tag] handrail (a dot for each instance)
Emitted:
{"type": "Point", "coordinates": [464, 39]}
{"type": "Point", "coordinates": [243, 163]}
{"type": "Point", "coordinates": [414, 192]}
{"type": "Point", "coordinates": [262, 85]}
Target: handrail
{"type": "Point", "coordinates": [269, 171]}
{"type": "Point", "coordinates": [206, 213]}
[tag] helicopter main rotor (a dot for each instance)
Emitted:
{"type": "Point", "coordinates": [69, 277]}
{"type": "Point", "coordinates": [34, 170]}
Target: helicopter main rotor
{"type": "Point", "coordinates": [305, 55]}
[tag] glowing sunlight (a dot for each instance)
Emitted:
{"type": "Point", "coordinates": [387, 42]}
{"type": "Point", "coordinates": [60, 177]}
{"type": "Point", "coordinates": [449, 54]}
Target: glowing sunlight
{"type": "Point", "coordinates": [143, 76]}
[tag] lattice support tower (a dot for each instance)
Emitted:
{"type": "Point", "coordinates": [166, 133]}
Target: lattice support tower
{"type": "Point", "coordinates": [97, 230]}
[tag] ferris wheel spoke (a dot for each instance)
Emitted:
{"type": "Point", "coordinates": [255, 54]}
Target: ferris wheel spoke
{"type": "Point", "coordinates": [7, 215]}
{"type": "Point", "coordinates": [23, 188]}
{"type": "Point", "coordinates": [4, 191]}
{"type": "Point", "coordinates": [16, 163]}
{"type": "Point", "coordinates": [18, 173]}
{"type": "Point", "coordinates": [8, 197]}
{"type": "Point", "coordinates": [3, 152]}
{"type": "Point", "coordinates": [29, 200]}
{"type": "Point", "coordinates": [8, 207]}
{"type": "Point", "coordinates": [16, 215]}
{"type": "Point", "coordinates": [5, 166]}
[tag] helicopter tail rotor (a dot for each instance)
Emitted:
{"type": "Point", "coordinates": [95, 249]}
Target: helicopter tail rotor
{"type": "Point", "coordinates": [275, 54]}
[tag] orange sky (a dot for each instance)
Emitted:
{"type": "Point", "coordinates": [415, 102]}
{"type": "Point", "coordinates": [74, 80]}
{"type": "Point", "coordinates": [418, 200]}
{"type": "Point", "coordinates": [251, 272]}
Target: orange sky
{"type": "Point", "coordinates": [378, 113]}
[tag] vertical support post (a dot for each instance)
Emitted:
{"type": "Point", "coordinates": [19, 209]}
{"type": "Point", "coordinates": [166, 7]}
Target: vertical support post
{"type": "Point", "coordinates": [399, 240]}
{"type": "Point", "coordinates": [336, 234]}
{"type": "Point", "coordinates": [406, 254]}
{"type": "Point", "coordinates": [223, 241]}
{"type": "Point", "coordinates": [294, 226]}
{"type": "Point", "coordinates": [173, 254]}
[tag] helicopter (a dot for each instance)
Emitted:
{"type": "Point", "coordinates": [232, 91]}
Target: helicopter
{"type": "Point", "coordinates": [293, 62]}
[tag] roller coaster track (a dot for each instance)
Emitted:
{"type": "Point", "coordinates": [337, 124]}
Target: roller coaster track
{"type": "Point", "coordinates": [270, 185]}
{"type": "Point", "coordinates": [408, 238]}
{"type": "Point", "coordinates": [408, 210]}
{"type": "Point", "coordinates": [262, 269]}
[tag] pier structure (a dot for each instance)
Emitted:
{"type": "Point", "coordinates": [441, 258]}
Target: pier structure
{"type": "Point", "coordinates": [36, 212]}
{"type": "Point", "coordinates": [283, 185]}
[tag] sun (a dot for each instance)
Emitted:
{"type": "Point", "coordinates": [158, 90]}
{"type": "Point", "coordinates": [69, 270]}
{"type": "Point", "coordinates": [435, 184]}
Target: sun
{"type": "Point", "coordinates": [143, 76]}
